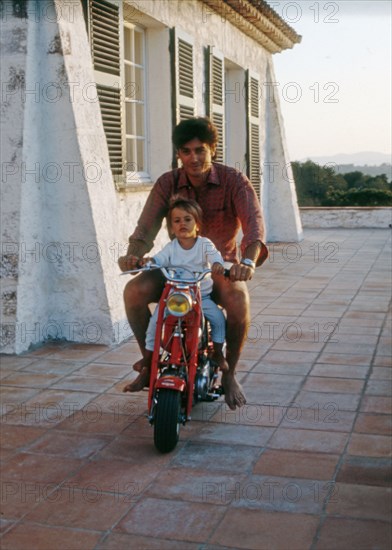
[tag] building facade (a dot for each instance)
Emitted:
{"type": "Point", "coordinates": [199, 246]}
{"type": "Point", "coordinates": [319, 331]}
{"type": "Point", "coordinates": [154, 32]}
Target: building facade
{"type": "Point", "coordinates": [91, 90]}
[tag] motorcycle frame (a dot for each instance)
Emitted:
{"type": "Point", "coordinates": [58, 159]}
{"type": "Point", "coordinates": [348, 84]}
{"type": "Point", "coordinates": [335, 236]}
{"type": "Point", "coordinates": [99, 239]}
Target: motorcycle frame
{"type": "Point", "coordinates": [192, 322]}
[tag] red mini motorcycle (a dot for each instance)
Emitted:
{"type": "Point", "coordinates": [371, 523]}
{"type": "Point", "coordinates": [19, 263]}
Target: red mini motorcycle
{"type": "Point", "coordinates": [182, 372]}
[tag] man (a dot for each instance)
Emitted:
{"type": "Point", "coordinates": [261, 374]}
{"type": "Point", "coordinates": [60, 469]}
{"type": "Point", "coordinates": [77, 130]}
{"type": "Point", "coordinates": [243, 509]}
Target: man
{"type": "Point", "coordinates": [228, 202]}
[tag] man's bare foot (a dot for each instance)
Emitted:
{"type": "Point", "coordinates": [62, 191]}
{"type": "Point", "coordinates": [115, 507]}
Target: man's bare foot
{"type": "Point", "coordinates": [234, 394]}
{"type": "Point", "coordinates": [142, 381]}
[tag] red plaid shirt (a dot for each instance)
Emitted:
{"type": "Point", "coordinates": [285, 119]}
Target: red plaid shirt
{"type": "Point", "coordinates": [228, 202]}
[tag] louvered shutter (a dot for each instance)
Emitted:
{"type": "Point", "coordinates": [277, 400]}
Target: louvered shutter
{"type": "Point", "coordinates": [253, 131]}
{"type": "Point", "coordinates": [183, 84]}
{"type": "Point", "coordinates": [105, 33]}
{"type": "Point", "coordinates": [215, 97]}
{"type": "Point", "coordinates": [183, 76]}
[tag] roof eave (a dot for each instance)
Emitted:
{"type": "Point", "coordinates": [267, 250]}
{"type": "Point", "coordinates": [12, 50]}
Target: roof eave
{"type": "Point", "coordinates": [259, 21]}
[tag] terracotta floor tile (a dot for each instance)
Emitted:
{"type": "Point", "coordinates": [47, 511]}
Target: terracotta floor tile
{"type": "Point", "coordinates": [332, 385]}
{"type": "Point", "coordinates": [31, 380]}
{"type": "Point", "coordinates": [379, 387]}
{"type": "Point", "coordinates": [298, 370]}
{"type": "Point", "coordinates": [378, 424]}
{"type": "Point", "coordinates": [316, 466]}
{"type": "Point", "coordinates": [18, 497]}
{"type": "Point", "coordinates": [308, 440]}
{"type": "Point", "coordinates": [281, 494]}
{"type": "Point", "coordinates": [327, 401]}
{"type": "Point", "coordinates": [119, 404]}
{"type": "Point", "coordinates": [91, 419]}
{"type": "Point", "coordinates": [47, 408]}
{"type": "Point", "coordinates": [119, 541]}
{"type": "Point", "coordinates": [361, 501]}
{"type": "Point", "coordinates": [39, 537]}
{"type": "Point", "coordinates": [340, 533]}
{"type": "Point", "coordinates": [116, 476]}
{"type": "Point", "coordinates": [58, 443]}
{"type": "Point", "coordinates": [370, 445]}
{"type": "Point", "coordinates": [382, 361]}
{"type": "Point", "coordinates": [80, 352]}
{"type": "Point", "coordinates": [11, 397]}
{"type": "Point", "coordinates": [40, 468]}
{"type": "Point", "coordinates": [76, 382]}
{"type": "Point", "coordinates": [366, 471]}
{"type": "Point", "coordinates": [235, 434]}
{"type": "Point", "coordinates": [326, 417]}
{"type": "Point", "coordinates": [138, 451]}
{"type": "Point", "coordinates": [197, 485]}
{"type": "Point", "coordinates": [251, 414]}
{"type": "Point", "coordinates": [256, 530]}
{"type": "Point", "coordinates": [381, 373]}
{"type": "Point", "coordinates": [17, 437]}
{"type": "Point", "coordinates": [340, 371]}
{"type": "Point", "coordinates": [54, 366]}
{"type": "Point", "coordinates": [87, 509]}
{"type": "Point", "coordinates": [104, 370]}
{"type": "Point", "coordinates": [188, 521]}
{"type": "Point", "coordinates": [15, 362]}
{"type": "Point", "coordinates": [345, 358]}
{"type": "Point", "coordinates": [377, 404]}
{"type": "Point", "coordinates": [232, 458]}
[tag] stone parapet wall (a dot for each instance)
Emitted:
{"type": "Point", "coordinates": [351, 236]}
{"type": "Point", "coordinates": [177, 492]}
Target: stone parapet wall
{"type": "Point", "coordinates": [346, 217]}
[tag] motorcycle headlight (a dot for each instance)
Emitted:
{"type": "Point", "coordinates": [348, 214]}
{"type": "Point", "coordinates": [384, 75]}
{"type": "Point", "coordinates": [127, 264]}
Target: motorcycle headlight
{"type": "Point", "coordinates": [178, 304]}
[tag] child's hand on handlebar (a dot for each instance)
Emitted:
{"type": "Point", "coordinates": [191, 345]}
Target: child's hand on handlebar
{"type": "Point", "coordinates": [217, 269]}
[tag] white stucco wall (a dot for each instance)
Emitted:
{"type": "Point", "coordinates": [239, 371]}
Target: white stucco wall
{"type": "Point", "coordinates": [66, 209]}
{"type": "Point", "coordinates": [349, 218]}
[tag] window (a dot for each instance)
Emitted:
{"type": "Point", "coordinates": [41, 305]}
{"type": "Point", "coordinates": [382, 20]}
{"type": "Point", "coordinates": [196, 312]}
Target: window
{"type": "Point", "coordinates": [135, 103]}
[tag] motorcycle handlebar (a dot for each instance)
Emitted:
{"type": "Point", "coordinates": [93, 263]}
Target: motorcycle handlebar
{"type": "Point", "coordinates": [199, 276]}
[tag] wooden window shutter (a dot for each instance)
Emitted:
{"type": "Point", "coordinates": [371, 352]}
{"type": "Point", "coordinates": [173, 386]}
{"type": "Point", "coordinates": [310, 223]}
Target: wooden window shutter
{"type": "Point", "coordinates": [105, 34]}
{"type": "Point", "coordinates": [253, 131]}
{"type": "Point", "coordinates": [183, 83]}
{"type": "Point", "coordinates": [215, 97]}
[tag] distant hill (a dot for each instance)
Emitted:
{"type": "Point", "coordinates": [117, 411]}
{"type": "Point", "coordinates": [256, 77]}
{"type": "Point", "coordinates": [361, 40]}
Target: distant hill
{"type": "Point", "coordinates": [369, 158]}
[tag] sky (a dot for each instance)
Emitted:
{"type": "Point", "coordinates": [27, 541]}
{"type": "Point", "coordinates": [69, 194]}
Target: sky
{"type": "Point", "coordinates": [335, 86]}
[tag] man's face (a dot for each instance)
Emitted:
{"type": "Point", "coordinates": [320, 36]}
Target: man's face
{"type": "Point", "coordinates": [196, 157]}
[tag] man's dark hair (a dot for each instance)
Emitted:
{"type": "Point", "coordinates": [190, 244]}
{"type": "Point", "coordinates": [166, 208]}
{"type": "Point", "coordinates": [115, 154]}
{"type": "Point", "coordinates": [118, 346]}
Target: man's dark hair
{"type": "Point", "coordinates": [198, 127]}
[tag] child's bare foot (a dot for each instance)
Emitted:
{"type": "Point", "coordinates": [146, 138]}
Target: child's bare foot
{"type": "Point", "coordinates": [142, 381]}
{"type": "Point", "coordinates": [138, 366]}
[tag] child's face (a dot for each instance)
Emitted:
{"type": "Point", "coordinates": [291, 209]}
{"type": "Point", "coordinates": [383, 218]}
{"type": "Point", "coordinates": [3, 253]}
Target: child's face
{"type": "Point", "coordinates": [183, 224]}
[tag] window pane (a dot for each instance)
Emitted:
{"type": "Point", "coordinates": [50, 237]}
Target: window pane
{"type": "Point", "coordinates": [138, 81]}
{"type": "Point", "coordinates": [128, 118]}
{"type": "Point", "coordinates": [130, 86]}
{"type": "Point", "coordinates": [139, 111]}
{"type": "Point", "coordinates": [138, 48]}
{"type": "Point", "coordinates": [131, 160]}
{"type": "Point", "coordinates": [127, 44]}
{"type": "Point", "coordinates": [140, 155]}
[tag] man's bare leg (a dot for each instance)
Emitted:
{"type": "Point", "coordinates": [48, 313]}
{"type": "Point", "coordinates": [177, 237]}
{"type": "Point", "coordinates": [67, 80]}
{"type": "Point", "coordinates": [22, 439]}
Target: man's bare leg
{"type": "Point", "coordinates": [138, 293]}
{"type": "Point", "coordinates": [234, 297]}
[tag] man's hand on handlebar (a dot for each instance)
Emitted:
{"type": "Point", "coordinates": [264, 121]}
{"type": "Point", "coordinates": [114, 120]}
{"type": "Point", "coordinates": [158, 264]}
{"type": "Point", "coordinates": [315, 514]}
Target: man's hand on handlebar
{"type": "Point", "coordinates": [241, 272]}
{"type": "Point", "coordinates": [130, 262]}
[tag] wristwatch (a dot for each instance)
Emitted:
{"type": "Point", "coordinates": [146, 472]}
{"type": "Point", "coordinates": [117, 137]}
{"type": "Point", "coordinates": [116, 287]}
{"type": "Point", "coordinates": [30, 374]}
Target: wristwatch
{"type": "Point", "coordinates": [248, 262]}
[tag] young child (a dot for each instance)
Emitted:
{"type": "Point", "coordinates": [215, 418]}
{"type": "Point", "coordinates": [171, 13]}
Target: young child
{"type": "Point", "coordinates": [195, 253]}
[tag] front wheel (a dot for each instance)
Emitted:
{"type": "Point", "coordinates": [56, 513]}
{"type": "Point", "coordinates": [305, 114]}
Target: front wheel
{"type": "Point", "coordinates": [167, 420]}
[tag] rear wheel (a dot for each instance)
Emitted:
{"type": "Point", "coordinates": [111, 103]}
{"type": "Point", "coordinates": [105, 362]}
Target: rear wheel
{"type": "Point", "coordinates": [167, 420]}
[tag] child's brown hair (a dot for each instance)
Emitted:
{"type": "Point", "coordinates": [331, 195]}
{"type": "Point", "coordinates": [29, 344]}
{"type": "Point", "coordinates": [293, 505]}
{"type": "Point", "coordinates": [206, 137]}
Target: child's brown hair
{"type": "Point", "coordinates": [189, 205]}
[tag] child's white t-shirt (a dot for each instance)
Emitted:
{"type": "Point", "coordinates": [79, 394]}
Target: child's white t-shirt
{"type": "Point", "coordinates": [201, 256]}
